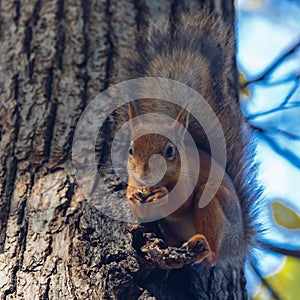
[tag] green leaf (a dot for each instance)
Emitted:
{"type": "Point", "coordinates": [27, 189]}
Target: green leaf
{"type": "Point", "coordinates": [242, 79]}
{"type": "Point", "coordinates": [243, 82]}
{"type": "Point", "coordinates": [285, 216]}
{"type": "Point", "coordinates": [285, 283]}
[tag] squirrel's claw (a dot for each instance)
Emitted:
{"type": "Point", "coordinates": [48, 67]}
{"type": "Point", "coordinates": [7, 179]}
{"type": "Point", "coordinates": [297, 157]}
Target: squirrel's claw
{"type": "Point", "coordinates": [135, 197]}
{"type": "Point", "coordinates": [209, 257]}
{"type": "Point", "coordinates": [157, 194]}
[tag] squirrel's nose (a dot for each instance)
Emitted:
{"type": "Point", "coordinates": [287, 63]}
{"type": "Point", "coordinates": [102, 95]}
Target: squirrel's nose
{"type": "Point", "coordinates": [144, 171]}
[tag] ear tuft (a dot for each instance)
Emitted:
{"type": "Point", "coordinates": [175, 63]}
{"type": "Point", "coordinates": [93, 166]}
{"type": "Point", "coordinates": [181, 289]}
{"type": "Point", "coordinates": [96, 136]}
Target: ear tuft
{"type": "Point", "coordinates": [132, 110]}
{"type": "Point", "coordinates": [132, 113]}
{"type": "Point", "coordinates": [183, 119]}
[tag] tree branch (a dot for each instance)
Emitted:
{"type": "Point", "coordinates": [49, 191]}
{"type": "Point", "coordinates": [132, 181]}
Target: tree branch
{"type": "Point", "coordinates": [280, 249]}
{"type": "Point", "coordinates": [274, 65]}
{"type": "Point", "coordinates": [290, 156]}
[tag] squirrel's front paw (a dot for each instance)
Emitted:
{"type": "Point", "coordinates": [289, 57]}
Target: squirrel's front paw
{"type": "Point", "coordinates": [136, 198]}
{"type": "Point", "coordinates": [197, 241]}
{"type": "Point", "coordinates": [144, 195]}
{"type": "Point", "coordinates": [157, 194]}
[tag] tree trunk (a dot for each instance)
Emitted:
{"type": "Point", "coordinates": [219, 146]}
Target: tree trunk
{"type": "Point", "coordinates": [56, 56]}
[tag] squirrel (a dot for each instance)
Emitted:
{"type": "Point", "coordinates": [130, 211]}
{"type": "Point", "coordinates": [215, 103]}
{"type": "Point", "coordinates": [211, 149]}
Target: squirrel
{"type": "Point", "coordinates": [198, 51]}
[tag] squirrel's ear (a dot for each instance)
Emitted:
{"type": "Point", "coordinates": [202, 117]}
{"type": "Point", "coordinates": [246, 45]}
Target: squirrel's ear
{"type": "Point", "coordinates": [132, 113]}
{"type": "Point", "coordinates": [132, 110]}
{"type": "Point", "coordinates": [183, 119]}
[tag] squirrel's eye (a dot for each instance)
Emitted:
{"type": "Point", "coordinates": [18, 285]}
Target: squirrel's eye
{"type": "Point", "coordinates": [170, 152]}
{"type": "Point", "coordinates": [130, 150]}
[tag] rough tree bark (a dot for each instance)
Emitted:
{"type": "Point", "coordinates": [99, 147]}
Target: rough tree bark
{"type": "Point", "coordinates": [55, 57]}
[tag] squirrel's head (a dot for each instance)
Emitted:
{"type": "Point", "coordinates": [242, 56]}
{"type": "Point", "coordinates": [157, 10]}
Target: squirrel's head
{"type": "Point", "coordinates": [154, 159]}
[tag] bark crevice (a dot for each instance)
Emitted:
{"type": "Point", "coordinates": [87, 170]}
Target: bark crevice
{"type": "Point", "coordinates": [60, 34]}
{"type": "Point", "coordinates": [17, 11]}
{"type": "Point", "coordinates": [50, 123]}
{"type": "Point", "coordinates": [10, 167]}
